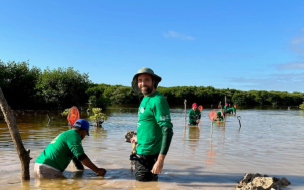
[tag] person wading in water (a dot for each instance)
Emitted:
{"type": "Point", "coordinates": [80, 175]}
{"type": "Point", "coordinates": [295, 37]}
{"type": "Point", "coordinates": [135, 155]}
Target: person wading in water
{"type": "Point", "coordinates": [154, 127]}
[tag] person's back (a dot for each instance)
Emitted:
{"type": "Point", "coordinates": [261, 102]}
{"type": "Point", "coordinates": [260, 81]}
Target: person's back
{"type": "Point", "coordinates": [219, 116]}
{"type": "Point", "coordinates": [65, 147]}
{"type": "Point", "coordinates": [59, 153]}
{"type": "Point", "coordinates": [230, 110]}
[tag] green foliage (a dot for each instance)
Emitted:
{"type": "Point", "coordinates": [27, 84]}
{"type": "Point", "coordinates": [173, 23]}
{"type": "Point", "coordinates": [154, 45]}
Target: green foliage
{"type": "Point", "coordinates": [98, 117]}
{"type": "Point", "coordinates": [97, 97]}
{"type": "Point", "coordinates": [63, 87]}
{"type": "Point", "coordinates": [30, 88]}
{"type": "Point", "coordinates": [18, 81]}
{"type": "Point", "coordinates": [122, 95]}
{"type": "Point", "coordinates": [302, 106]}
{"type": "Point", "coordinates": [239, 98]}
{"type": "Point", "coordinates": [66, 112]}
{"type": "Point", "coordinates": [96, 90]}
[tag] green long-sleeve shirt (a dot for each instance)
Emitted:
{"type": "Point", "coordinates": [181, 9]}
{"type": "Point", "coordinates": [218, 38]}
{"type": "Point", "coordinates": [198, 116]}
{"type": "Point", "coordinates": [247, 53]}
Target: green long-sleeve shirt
{"type": "Point", "coordinates": [59, 153]}
{"type": "Point", "coordinates": [194, 115]}
{"type": "Point", "coordinates": [154, 127]}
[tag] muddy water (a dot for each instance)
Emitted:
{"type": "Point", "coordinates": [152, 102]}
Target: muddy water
{"type": "Point", "coordinates": [205, 157]}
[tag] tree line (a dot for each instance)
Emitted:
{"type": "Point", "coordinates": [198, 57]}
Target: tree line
{"type": "Point", "coordinates": [33, 88]}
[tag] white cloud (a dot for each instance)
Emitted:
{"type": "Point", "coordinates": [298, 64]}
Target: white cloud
{"type": "Point", "coordinates": [173, 34]}
{"type": "Point", "coordinates": [297, 43]}
{"type": "Point", "coordinates": [281, 82]}
{"type": "Point", "coordinates": [297, 40]}
{"type": "Point", "coordinates": [291, 66]}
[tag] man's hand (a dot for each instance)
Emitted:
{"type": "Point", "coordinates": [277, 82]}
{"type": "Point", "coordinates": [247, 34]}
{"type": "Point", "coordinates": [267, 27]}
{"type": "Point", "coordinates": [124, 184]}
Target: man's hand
{"type": "Point", "coordinates": [133, 139]}
{"type": "Point", "coordinates": [197, 121]}
{"type": "Point", "coordinates": [101, 172]}
{"type": "Point", "coordinates": [158, 166]}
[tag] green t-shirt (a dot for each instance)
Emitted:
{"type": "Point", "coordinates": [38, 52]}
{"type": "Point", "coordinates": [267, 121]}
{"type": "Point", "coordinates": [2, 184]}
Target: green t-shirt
{"type": "Point", "coordinates": [153, 113]}
{"type": "Point", "coordinates": [225, 108]}
{"type": "Point", "coordinates": [231, 110]}
{"type": "Point", "coordinates": [59, 153]}
{"type": "Point", "coordinates": [220, 117]}
{"type": "Point", "coordinates": [194, 115]}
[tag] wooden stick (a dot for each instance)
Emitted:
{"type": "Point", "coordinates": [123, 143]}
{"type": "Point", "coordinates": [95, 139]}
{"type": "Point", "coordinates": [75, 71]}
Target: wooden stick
{"type": "Point", "coordinates": [239, 118]}
{"type": "Point", "coordinates": [24, 155]}
{"type": "Point", "coordinates": [185, 103]}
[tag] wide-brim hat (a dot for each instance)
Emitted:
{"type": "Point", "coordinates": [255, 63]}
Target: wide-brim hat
{"type": "Point", "coordinates": [144, 70]}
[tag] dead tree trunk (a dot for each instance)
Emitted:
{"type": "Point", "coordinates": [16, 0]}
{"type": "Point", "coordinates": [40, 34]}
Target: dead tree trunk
{"type": "Point", "coordinates": [24, 155]}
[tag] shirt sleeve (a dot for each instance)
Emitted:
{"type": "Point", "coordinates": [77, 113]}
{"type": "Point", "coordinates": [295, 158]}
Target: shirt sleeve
{"type": "Point", "coordinates": [166, 140]}
{"type": "Point", "coordinates": [74, 144]}
{"type": "Point", "coordinates": [162, 113]}
{"type": "Point", "coordinates": [162, 116]}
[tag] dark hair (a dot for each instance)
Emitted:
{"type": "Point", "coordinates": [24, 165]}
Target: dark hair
{"type": "Point", "coordinates": [78, 129]}
{"type": "Point", "coordinates": [153, 78]}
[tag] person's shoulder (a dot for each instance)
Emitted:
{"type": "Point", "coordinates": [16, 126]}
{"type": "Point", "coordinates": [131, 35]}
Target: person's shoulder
{"type": "Point", "coordinates": [159, 99]}
{"type": "Point", "coordinates": [159, 96]}
{"type": "Point", "coordinates": [71, 134]}
{"type": "Point", "coordinates": [68, 132]}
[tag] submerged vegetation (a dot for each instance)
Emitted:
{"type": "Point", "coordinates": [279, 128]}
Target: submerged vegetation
{"type": "Point", "coordinates": [32, 88]}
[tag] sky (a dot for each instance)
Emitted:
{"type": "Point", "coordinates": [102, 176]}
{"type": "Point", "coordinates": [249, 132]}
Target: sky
{"type": "Point", "coordinates": [236, 44]}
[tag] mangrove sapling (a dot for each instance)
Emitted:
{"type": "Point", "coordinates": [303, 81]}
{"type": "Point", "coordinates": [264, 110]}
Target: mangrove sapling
{"type": "Point", "coordinates": [98, 117]}
{"type": "Point", "coordinates": [66, 112]}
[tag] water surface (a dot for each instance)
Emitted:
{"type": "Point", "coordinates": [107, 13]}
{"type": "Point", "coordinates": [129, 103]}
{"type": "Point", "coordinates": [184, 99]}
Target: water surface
{"type": "Point", "coordinates": [205, 157]}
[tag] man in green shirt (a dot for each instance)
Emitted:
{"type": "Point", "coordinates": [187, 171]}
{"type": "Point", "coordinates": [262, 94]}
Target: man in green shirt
{"type": "Point", "coordinates": [154, 127]}
{"type": "Point", "coordinates": [194, 115]}
{"type": "Point", "coordinates": [64, 148]}
{"type": "Point", "coordinates": [220, 116]}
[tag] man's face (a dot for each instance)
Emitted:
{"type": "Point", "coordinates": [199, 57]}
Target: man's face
{"type": "Point", "coordinates": [145, 84]}
{"type": "Point", "coordinates": [83, 134]}
{"type": "Point", "coordinates": [194, 108]}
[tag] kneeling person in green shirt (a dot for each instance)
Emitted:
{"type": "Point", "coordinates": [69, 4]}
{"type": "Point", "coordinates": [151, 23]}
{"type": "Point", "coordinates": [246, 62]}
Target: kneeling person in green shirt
{"type": "Point", "coordinates": [194, 115]}
{"type": "Point", "coordinates": [220, 116]}
{"type": "Point", "coordinates": [154, 127]}
{"type": "Point", "coordinates": [64, 148]}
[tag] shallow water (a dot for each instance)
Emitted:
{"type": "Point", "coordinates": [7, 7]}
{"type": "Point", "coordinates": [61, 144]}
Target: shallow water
{"type": "Point", "coordinates": [205, 157]}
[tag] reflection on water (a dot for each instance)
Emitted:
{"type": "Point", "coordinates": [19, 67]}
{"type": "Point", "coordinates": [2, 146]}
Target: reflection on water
{"type": "Point", "coordinates": [205, 156]}
{"type": "Point", "coordinates": [211, 153]}
{"type": "Point", "coordinates": [194, 134]}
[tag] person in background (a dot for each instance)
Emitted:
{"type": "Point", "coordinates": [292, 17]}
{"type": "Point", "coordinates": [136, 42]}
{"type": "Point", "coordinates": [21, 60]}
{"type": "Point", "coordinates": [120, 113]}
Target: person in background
{"type": "Point", "coordinates": [64, 148]}
{"type": "Point", "coordinates": [194, 115]}
{"type": "Point", "coordinates": [219, 116]}
{"type": "Point", "coordinates": [154, 127]}
{"type": "Point", "coordinates": [226, 107]}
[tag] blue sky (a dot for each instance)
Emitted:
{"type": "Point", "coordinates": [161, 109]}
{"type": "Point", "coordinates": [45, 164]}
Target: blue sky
{"type": "Point", "coordinates": [226, 44]}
